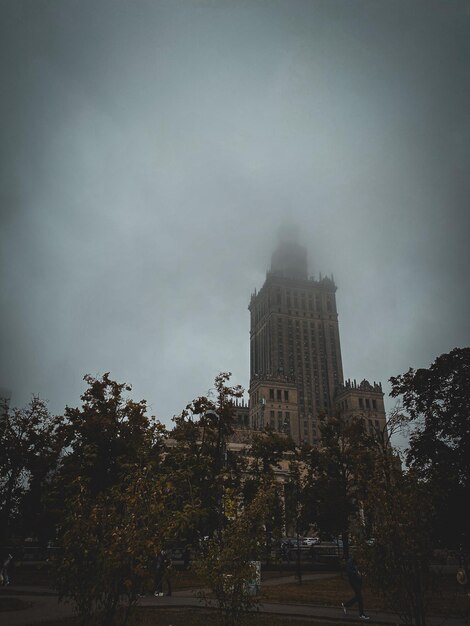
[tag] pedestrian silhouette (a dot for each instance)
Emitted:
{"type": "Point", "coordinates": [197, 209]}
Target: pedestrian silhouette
{"type": "Point", "coordinates": [355, 580]}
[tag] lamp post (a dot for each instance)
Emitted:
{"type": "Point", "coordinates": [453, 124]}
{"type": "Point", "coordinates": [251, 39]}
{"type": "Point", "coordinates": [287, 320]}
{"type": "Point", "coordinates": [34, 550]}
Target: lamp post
{"type": "Point", "coordinates": [298, 506]}
{"type": "Point", "coordinates": [297, 515]}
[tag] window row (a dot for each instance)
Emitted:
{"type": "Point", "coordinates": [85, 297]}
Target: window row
{"type": "Point", "coordinates": [276, 394]}
{"type": "Point", "coordinates": [366, 403]}
{"type": "Point", "coordinates": [279, 415]}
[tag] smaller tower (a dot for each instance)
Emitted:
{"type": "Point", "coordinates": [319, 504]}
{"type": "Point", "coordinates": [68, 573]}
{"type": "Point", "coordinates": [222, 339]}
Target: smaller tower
{"type": "Point", "coordinates": [363, 401]}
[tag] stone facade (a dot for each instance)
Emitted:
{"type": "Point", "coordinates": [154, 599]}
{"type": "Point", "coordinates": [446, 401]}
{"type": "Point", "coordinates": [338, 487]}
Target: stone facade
{"type": "Point", "coordinates": [274, 404]}
{"type": "Point", "coordinates": [364, 401]}
{"type": "Point", "coordinates": [241, 415]}
{"type": "Point", "coordinates": [294, 336]}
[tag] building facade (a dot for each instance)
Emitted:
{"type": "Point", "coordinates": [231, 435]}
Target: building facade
{"type": "Point", "coordinates": [294, 340]}
{"type": "Point", "coordinates": [296, 372]}
{"type": "Point", "coordinates": [274, 403]}
{"type": "Point", "coordinates": [363, 401]}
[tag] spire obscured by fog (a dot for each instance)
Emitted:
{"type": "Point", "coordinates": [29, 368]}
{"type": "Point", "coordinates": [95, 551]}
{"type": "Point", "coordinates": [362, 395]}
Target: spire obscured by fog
{"type": "Point", "coordinates": [289, 259]}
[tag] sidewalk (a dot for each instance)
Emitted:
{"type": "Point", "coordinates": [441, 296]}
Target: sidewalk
{"type": "Point", "coordinates": [45, 606]}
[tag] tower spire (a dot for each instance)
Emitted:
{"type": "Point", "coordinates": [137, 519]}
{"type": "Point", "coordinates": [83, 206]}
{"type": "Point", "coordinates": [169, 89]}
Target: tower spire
{"type": "Point", "coordinates": [290, 258]}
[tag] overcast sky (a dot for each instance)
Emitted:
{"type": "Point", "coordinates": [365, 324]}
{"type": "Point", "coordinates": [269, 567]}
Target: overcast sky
{"type": "Point", "coordinates": [150, 151]}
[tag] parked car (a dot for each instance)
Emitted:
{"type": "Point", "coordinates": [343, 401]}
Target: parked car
{"type": "Point", "coordinates": [291, 544]}
{"type": "Point", "coordinates": [310, 541]}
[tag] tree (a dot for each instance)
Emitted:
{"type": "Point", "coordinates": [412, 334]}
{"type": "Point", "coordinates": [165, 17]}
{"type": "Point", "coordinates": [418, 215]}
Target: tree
{"type": "Point", "coordinates": [294, 490]}
{"type": "Point", "coordinates": [267, 450]}
{"type": "Point", "coordinates": [335, 484]}
{"type": "Point", "coordinates": [105, 437]}
{"type": "Point", "coordinates": [114, 501]}
{"type": "Point", "coordinates": [437, 403]}
{"type": "Point", "coordinates": [109, 541]}
{"type": "Point", "coordinates": [227, 566]}
{"type": "Point", "coordinates": [200, 463]}
{"type": "Point", "coordinates": [30, 448]}
{"type": "Point", "coordinates": [400, 511]}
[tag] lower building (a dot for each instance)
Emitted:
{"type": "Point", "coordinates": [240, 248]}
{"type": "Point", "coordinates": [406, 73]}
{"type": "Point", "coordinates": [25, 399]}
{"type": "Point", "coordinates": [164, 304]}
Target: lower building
{"type": "Point", "coordinates": [274, 405]}
{"type": "Point", "coordinates": [363, 401]}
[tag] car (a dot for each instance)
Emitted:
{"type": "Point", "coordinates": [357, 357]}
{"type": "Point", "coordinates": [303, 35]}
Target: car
{"type": "Point", "coordinates": [292, 544]}
{"type": "Point", "coordinates": [310, 541]}
{"type": "Point", "coordinates": [289, 542]}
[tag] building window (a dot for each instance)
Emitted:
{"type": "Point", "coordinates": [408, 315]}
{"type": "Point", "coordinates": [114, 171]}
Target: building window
{"type": "Point", "coordinates": [374, 404]}
{"type": "Point", "coordinates": [361, 403]}
{"type": "Point", "coordinates": [271, 394]}
{"type": "Point", "coordinates": [286, 395]}
{"type": "Point", "coordinates": [279, 415]}
{"type": "Point", "coordinates": [367, 403]}
{"type": "Point", "coordinates": [279, 394]}
{"type": "Point", "coordinates": [271, 414]}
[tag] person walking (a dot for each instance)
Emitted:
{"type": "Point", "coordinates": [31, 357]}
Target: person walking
{"type": "Point", "coordinates": [161, 564]}
{"type": "Point", "coordinates": [4, 570]}
{"type": "Point", "coordinates": [355, 580]}
{"type": "Point", "coordinates": [186, 557]}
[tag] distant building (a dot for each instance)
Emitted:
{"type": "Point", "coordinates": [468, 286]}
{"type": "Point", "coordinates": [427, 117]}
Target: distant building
{"type": "Point", "coordinates": [274, 404]}
{"type": "Point", "coordinates": [296, 372]}
{"type": "Point", "coordinates": [241, 414]}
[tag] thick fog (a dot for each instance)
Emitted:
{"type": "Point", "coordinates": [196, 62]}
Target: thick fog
{"type": "Point", "coordinates": [151, 151]}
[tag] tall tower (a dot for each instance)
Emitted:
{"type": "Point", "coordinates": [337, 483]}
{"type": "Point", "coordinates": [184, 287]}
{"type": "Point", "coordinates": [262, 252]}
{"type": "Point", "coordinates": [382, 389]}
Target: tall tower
{"type": "Point", "coordinates": [294, 345]}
